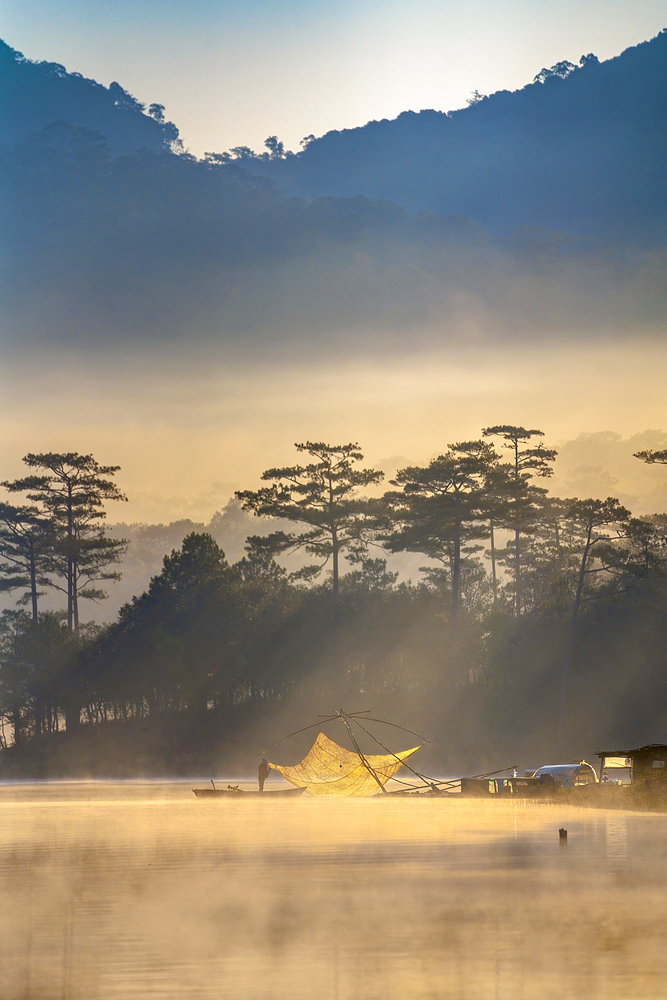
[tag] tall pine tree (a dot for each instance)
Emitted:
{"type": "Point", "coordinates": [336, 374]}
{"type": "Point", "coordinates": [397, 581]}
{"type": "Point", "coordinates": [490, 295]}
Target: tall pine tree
{"type": "Point", "coordinates": [71, 490]}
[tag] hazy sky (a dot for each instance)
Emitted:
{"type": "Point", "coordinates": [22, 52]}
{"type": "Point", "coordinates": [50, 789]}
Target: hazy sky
{"type": "Point", "coordinates": [186, 437]}
{"type": "Point", "coordinates": [232, 72]}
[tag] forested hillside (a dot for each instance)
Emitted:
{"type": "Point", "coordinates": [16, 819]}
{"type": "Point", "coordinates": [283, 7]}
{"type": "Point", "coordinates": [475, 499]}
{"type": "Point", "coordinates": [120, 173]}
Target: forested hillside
{"type": "Point", "coordinates": [155, 246]}
{"type": "Point", "coordinates": [581, 149]}
{"type": "Point", "coordinates": [38, 94]}
{"type": "Point", "coordinates": [102, 248]}
{"type": "Point", "coordinates": [537, 621]}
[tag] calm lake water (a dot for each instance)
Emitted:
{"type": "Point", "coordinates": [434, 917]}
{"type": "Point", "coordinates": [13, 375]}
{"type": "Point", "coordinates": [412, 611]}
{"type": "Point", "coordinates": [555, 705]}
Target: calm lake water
{"type": "Point", "coordinates": [142, 891]}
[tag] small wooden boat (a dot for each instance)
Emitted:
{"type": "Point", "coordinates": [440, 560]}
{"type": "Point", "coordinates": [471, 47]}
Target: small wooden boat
{"type": "Point", "coordinates": [235, 792]}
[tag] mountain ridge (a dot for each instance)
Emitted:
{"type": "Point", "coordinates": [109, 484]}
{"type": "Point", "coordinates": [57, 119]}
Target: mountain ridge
{"type": "Point", "coordinates": [40, 94]}
{"type": "Point", "coordinates": [105, 246]}
{"type": "Point", "coordinates": [581, 149]}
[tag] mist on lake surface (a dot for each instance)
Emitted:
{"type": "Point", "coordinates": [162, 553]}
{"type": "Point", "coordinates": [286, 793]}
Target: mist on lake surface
{"type": "Point", "coordinates": [139, 890]}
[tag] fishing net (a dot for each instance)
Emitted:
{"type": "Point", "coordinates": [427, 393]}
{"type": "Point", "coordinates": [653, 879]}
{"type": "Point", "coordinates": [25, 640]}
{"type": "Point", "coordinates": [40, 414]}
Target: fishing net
{"type": "Point", "coordinates": [328, 769]}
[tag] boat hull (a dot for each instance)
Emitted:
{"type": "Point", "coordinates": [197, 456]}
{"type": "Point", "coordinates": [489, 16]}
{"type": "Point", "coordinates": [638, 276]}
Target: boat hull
{"type": "Point", "coordinates": [221, 793]}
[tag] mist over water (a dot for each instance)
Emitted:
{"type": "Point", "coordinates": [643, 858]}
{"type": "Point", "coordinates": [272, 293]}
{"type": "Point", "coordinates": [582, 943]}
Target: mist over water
{"type": "Point", "coordinates": [126, 891]}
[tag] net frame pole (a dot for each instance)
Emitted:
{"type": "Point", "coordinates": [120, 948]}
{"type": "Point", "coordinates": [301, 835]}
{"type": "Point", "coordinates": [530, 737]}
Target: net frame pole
{"type": "Point", "coordinates": [329, 718]}
{"type": "Point", "coordinates": [343, 717]}
{"type": "Point", "coordinates": [422, 777]}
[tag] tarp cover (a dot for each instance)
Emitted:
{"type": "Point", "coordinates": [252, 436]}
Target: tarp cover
{"type": "Point", "coordinates": [578, 774]}
{"type": "Point", "coordinates": [328, 769]}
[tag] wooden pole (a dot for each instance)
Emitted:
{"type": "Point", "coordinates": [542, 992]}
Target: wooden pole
{"type": "Point", "coordinates": [343, 718]}
{"type": "Point", "coordinates": [416, 773]}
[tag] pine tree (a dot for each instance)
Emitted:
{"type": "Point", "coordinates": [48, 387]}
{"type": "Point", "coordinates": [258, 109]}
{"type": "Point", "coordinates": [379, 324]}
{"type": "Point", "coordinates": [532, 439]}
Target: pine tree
{"type": "Point", "coordinates": [26, 545]}
{"type": "Point", "coordinates": [593, 519]}
{"type": "Point", "coordinates": [526, 463]}
{"type": "Point", "coordinates": [442, 506]}
{"type": "Point", "coordinates": [323, 495]}
{"type": "Point", "coordinates": [71, 490]}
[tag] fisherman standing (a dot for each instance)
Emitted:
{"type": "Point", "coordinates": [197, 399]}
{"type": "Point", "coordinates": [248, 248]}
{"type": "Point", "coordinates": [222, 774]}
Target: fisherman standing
{"type": "Point", "coordinates": [263, 773]}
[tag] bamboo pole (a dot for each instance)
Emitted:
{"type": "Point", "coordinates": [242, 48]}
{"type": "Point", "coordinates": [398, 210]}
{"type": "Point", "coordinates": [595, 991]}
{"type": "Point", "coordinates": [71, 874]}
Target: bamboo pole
{"type": "Point", "coordinates": [343, 718]}
{"type": "Point", "coordinates": [416, 773]}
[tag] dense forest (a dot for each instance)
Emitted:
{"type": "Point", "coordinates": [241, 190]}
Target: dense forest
{"type": "Point", "coordinates": [38, 94]}
{"type": "Point", "coordinates": [537, 621]}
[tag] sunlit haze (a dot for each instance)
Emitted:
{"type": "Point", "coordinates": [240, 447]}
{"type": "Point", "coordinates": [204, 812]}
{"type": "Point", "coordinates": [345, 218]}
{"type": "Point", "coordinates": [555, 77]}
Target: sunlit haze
{"type": "Point", "coordinates": [194, 395]}
{"type": "Point", "coordinates": [187, 435]}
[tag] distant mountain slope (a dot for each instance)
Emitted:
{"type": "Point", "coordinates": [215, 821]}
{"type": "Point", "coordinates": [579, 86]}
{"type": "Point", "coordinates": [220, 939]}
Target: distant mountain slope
{"type": "Point", "coordinates": [104, 243]}
{"type": "Point", "coordinates": [582, 149]}
{"type": "Point", "coordinates": [38, 94]}
{"type": "Point", "coordinates": [96, 249]}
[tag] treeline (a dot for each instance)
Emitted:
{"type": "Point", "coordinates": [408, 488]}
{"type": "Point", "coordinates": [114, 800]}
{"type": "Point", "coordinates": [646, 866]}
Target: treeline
{"type": "Point", "coordinates": [533, 615]}
{"type": "Point", "coordinates": [37, 94]}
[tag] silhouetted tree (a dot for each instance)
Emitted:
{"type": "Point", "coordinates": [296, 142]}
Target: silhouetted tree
{"type": "Point", "coordinates": [71, 491]}
{"type": "Point", "coordinates": [549, 555]}
{"type": "Point", "coordinates": [26, 543]}
{"type": "Point", "coordinates": [372, 573]}
{"type": "Point", "coordinates": [275, 147]}
{"type": "Point", "coordinates": [652, 457]}
{"type": "Point", "coordinates": [589, 516]}
{"type": "Point", "coordinates": [647, 542]}
{"type": "Point", "coordinates": [441, 506]}
{"type": "Point", "coordinates": [324, 495]}
{"type": "Point", "coordinates": [178, 632]}
{"type": "Point", "coordinates": [526, 462]}
{"type": "Point", "coordinates": [36, 662]}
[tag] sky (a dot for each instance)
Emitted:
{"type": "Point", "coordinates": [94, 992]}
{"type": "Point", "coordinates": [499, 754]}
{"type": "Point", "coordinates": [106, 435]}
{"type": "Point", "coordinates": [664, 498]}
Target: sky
{"type": "Point", "coordinates": [232, 72]}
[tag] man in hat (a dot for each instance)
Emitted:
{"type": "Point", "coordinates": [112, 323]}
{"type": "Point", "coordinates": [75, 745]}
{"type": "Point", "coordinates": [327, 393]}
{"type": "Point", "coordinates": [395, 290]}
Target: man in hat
{"type": "Point", "coordinates": [263, 773]}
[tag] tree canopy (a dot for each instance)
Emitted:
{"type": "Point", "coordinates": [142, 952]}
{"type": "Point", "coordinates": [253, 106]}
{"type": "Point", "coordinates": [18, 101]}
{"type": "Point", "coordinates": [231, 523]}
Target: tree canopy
{"type": "Point", "coordinates": [71, 490]}
{"type": "Point", "coordinates": [210, 641]}
{"type": "Point", "coordinates": [325, 495]}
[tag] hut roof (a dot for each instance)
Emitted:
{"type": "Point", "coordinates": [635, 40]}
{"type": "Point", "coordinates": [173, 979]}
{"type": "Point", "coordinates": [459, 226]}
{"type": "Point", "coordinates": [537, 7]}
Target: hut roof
{"type": "Point", "coordinates": [649, 748]}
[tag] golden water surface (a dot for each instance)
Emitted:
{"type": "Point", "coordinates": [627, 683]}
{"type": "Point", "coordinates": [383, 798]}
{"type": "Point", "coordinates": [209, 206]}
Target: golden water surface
{"type": "Point", "coordinates": [130, 890]}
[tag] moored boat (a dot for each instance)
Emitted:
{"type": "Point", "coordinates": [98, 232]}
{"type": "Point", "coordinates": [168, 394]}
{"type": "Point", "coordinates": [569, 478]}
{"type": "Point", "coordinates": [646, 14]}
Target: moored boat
{"type": "Point", "coordinates": [234, 791]}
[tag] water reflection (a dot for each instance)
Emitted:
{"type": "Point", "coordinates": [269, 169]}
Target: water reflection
{"type": "Point", "coordinates": [117, 891]}
{"type": "Point", "coordinates": [617, 842]}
